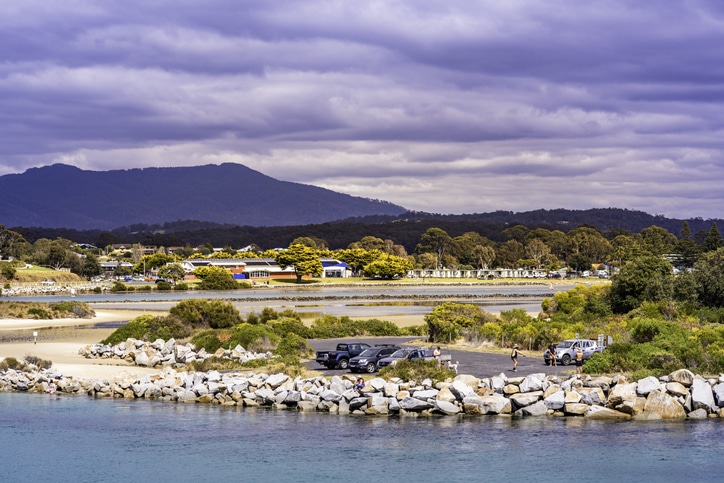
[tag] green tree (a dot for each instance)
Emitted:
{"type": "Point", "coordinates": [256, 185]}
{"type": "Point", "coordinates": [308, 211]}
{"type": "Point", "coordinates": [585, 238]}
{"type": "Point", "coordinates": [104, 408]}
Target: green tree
{"type": "Point", "coordinates": [369, 243]}
{"type": "Point", "coordinates": [216, 278]}
{"type": "Point", "coordinates": [311, 242]}
{"type": "Point", "coordinates": [357, 258]}
{"type": "Point", "coordinates": [580, 263]}
{"type": "Point", "coordinates": [304, 260]}
{"type": "Point", "coordinates": [518, 233]}
{"type": "Point", "coordinates": [201, 314]}
{"type": "Point", "coordinates": [713, 240]}
{"type": "Point", "coordinates": [537, 251]}
{"type": "Point", "coordinates": [508, 254]}
{"type": "Point", "coordinates": [588, 241]}
{"type": "Point", "coordinates": [10, 242]}
{"type": "Point", "coordinates": [91, 267]}
{"type": "Point", "coordinates": [388, 266]}
{"type": "Point", "coordinates": [152, 262]}
{"type": "Point", "coordinates": [709, 278]}
{"type": "Point", "coordinates": [686, 248]}
{"type": "Point", "coordinates": [642, 279]}
{"type": "Point", "coordinates": [446, 322]}
{"type": "Point", "coordinates": [658, 241]}
{"type": "Point", "coordinates": [437, 241]}
{"type": "Point", "coordinates": [172, 271]}
{"type": "Point", "coordinates": [484, 256]}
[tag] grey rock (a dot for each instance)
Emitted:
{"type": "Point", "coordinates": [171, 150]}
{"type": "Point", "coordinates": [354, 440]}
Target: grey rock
{"type": "Point", "coordinates": [532, 382]}
{"type": "Point", "coordinates": [664, 405]}
{"type": "Point", "coordinates": [718, 391]}
{"type": "Point", "coordinates": [682, 376]}
{"type": "Point", "coordinates": [460, 389]}
{"type": "Point", "coordinates": [702, 395]}
{"type": "Point", "coordinates": [415, 404]}
{"type": "Point", "coordinates": [555, 401]}
{"type": "Point", "coordinates": [425, 394]}
{"type": "Point", "coordinates": [646, 385]}
{"type": "Point", "coordinates": [447, 407]}
{"type": "Point", "coordinates": [537, 409]}
{"type": "Point", "coordinates": [523, 399]}
{"type": "Point", "coordinates": [698, 414]}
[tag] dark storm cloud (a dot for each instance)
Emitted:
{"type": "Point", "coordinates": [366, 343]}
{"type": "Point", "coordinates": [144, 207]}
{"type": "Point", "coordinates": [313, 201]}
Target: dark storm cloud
{"type": "Point", "coordinates": [439, 106]}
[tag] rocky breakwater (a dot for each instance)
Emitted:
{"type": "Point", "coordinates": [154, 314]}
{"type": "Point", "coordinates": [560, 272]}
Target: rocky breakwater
{"type": "Point", "coordinates": [160, 353]}
{"type": "Point", "coordinates": [679, 395]}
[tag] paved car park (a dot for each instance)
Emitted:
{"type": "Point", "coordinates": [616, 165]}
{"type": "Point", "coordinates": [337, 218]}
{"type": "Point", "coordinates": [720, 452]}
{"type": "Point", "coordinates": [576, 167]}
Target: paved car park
{"type": "Point", "coordinates": [480, 364]}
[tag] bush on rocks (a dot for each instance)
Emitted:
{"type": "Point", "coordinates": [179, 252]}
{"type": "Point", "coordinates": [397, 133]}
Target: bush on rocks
{"type": "Point", "coordinates": [148, 327]}
{"type": "Point", "coordinates": [417, 370]}
{"type": "Point", "coordinates": [202, 314]}
{"type": "Point", "coordinates": [293, 346]}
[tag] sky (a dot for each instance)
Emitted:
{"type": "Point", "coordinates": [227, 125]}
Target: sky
{"type": "Point", "coordinates": [451, 107]}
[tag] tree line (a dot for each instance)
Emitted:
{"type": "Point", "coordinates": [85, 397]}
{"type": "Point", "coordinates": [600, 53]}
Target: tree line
{"type": "Point", "coordinates": [519, 247]}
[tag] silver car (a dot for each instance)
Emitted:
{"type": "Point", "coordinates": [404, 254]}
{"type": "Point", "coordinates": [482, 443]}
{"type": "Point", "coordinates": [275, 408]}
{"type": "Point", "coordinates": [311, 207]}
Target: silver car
{"type": "Point", "coordinates": [566, 350]}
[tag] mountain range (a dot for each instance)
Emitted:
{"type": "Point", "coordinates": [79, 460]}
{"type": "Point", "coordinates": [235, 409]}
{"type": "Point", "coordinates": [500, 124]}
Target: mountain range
{"type": "Point", "coordinates": [65, 196]}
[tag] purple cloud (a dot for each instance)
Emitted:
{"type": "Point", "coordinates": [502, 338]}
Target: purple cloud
{"type": "Point", "coordinates": [452, 107]}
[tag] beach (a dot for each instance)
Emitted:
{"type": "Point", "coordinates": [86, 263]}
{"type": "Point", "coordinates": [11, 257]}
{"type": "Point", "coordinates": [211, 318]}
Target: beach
{"type": "Point", "coordinates": [58, 341]}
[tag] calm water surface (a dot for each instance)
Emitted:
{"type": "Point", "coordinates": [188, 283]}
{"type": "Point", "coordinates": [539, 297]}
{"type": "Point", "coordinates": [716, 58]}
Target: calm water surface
{"type": "Point", "coordinates": [75, 438]}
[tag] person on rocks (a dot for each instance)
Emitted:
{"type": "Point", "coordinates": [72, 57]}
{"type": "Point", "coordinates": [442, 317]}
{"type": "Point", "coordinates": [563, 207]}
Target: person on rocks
{"type": "Point", "coordinates": [514, 355]}
{"type": "Point", "coordinates": [51, 388]}
{"type": "Point", "coordinates": [579, 361]}
{"type": "Point", "coordinates": [360, 384]}
{"type": "Point", "coordinates": [552, 354]}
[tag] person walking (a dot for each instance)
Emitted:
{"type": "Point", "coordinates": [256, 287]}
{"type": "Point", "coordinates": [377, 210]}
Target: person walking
{"type": "Point", "coordinates": [514, 355]}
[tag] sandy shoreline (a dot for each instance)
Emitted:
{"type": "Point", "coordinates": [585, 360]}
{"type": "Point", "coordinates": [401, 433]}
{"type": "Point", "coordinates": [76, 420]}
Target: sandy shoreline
{"type": "Point", "coordinates": [59, 340]}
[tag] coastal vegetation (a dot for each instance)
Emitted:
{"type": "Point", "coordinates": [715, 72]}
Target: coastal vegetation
{"type": "Point", "coordinates": [44, 310]}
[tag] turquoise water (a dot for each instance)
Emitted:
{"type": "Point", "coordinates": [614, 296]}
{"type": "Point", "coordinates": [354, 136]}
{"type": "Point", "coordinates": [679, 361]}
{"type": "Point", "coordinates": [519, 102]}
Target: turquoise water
{"type": "Point", "coordinates": [76, 438]}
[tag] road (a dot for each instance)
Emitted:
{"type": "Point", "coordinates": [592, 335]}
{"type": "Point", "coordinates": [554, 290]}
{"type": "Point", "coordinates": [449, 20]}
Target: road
{"type": "Point", "coordinates": [479, 364]}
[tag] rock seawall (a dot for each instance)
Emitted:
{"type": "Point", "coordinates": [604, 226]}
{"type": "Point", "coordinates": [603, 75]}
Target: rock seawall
{"type": "Point", "coordinates": [160, 353]}
{"type": "Point", "coordinates": [679, 395]}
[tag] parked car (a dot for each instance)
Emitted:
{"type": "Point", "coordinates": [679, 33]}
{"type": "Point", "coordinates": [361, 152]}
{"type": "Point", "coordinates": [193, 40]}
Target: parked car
{"type": "Point", "coordinates": [396, 356]}
{"type": "Point", "coordinates": [410, 354]}
{"type": "Point", "coordinates": [566, 350]}
{"type": "Point", "coordinates": [368, 359]}
{"type": "Point", "coordinates": [339, 358]}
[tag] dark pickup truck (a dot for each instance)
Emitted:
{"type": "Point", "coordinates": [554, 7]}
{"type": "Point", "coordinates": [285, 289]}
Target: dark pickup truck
{"type": "Point", "coordinates": [339, 358]}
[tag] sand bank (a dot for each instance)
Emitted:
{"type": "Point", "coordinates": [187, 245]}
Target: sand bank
{"type": "Point", "coordinates": [58, 341]}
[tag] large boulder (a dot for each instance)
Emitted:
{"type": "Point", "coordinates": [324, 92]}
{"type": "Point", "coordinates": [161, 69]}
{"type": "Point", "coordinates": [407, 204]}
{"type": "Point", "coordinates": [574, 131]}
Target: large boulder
{"type": "Point", "coordinates": [646, 385]}
{"type": "Point", "coordinates": [575, 409]}
{"type": "Point", "coordinates": [461, 389]}
{"type": "Point", "coordinates": [537, 409]}
{"type": "Point", "coordinates": [532, 382]}
{"type": "Point", "coordinates": [446, 407]}
{"type": "Point", "coordinates": [600, 412]}
{"type": "Point", "coordinates": [556, 400]}
{"type": "Point", "coordinates": [415, 404]}
{"type": "Point", "coordinates": [593, 396]}
{"type": "Point", "coordinates": [467, 379]}
{"type": "Point", "coordinates": [676, 389]}
{"type": "Point", "coordinates": [701, 395]}
{"type": "Point", "coordinates": [682, 376]}
{"type": "Point", "coordinates": [664, 405]}
{"type": "Point", "coordinates": [620, 393]}
{"type": "Point", "coordinates": [523, 399]}
{"type": "Point", "coordinates": [718, 391]}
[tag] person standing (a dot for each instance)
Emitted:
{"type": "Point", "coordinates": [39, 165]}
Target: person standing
{"type": "Point", "coordinates": [579, 361]}
{"type": "Point", "coordinates": [436, 354]}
